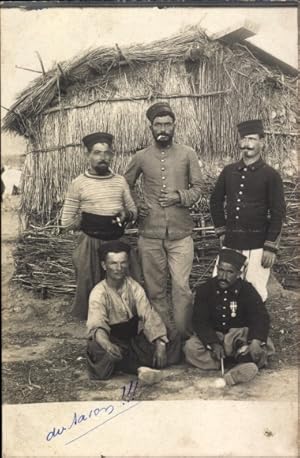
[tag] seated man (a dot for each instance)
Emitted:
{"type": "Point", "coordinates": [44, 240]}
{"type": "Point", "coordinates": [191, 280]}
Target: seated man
{"type": "Point", "coordinates": [230, 320]}
{"type": "Point", "coordinates": [118, 308]}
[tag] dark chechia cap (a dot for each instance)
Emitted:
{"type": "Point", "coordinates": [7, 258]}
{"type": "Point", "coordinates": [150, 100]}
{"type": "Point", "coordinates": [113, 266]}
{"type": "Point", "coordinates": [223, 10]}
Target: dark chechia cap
{"type": "Point", "coordinates": [232, 257]}
{"type": "Point", "coordinates": [253, 126]}
{"type": "Point", "coordinates": [159, 109]}
{"type": "Point", "coordinates": [98, 137]}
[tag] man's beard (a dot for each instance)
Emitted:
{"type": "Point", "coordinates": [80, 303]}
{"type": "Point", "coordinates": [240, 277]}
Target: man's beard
{"type": "Point", "coordinates": [163, 139]}
{"type": "Point", "coordinates": [102, 168]}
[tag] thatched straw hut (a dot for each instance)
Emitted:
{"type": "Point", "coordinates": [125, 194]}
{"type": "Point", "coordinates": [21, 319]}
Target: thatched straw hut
{"type": "Point", "coordinates": [211, 84]}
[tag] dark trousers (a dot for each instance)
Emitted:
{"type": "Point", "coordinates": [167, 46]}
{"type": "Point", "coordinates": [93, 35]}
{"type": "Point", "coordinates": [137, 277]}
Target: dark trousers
{"type": "Point", "coordinates": [137, 351]}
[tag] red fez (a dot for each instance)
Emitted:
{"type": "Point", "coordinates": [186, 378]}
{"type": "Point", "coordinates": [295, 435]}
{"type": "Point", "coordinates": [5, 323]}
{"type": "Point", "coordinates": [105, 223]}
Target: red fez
{"type": "Point", "coordinates": [232, 257]}
{"type": "Point", "coordinates": [98, 137]}
{"type": "Point", "coordinates": [159, 109]}
{"type": "Point", "coordinates": [254, 126]}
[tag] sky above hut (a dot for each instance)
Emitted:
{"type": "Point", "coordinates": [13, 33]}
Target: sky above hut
{"type": "Point", "coordinates": [61, 33]}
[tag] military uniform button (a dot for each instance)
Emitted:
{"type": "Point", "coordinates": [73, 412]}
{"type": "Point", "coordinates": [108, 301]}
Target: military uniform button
{"type": "Point", "coordinates": [163, 178]}
{"type": "Point", "coordinates": [238, 200]}
{"type": "Point", "coordinates": [223, 316]}
{"type": "Point", "coordinates": [162, 169]}
{"type": "Point", "coordinates": [242, 185]}
{"type": "Point", "coordinates": [225, 298]}
{"type": "Point", "coordinates": [245, 169]}
{"type": "Point", "coordinates": [224, 324]}
{"type": "Point", "coordinates": [162, 160]}
{"type": "Point", "coordinates": [164, 186]}
{"type": "Point", "coordinates": [237, 208]}
{"type": "Point", "coordinates": [243, 177]}
{"type": "Point", "coordinates": [237, 217]}
{"type": "Point", "coordinates": [240, 193]}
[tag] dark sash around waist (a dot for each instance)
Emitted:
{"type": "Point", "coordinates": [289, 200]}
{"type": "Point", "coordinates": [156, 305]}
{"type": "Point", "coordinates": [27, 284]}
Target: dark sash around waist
{"type": "Point", "coordinates": [100, 227]}
{"type": "Point", "coordinates": [126, 330]}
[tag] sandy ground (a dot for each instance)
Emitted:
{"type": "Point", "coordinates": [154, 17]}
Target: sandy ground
{"type": "Point", "coordinates": [44, 353]}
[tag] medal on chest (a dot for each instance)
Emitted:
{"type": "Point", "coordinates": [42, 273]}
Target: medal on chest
{"type": "Point", "coordinates": [233, 308]}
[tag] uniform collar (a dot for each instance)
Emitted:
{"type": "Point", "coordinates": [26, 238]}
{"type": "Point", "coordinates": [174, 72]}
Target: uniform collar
{"type": "Point", "coordinates": [255, 166]}
{"type": "Point", "coordinates": [233, 289]}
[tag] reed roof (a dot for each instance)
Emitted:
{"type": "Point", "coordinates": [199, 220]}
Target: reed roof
{"type": "Point", "coordinates": [48, 90]}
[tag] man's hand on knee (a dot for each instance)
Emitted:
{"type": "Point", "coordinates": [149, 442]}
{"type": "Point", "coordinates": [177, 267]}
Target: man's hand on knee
{"type": "Point", "coordinates": [102, 339]}
{"type": "Point", "coordinates": [114, 350]}
{"type": "Point", "coordinates": [217, 351]}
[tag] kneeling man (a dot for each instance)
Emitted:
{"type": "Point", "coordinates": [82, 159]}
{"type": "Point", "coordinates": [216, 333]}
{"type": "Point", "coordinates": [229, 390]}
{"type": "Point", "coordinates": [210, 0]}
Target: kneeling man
{"type": "Point", "coordinates": [125, 332]}
{"type": "Point", "coordinates": [230, 320]}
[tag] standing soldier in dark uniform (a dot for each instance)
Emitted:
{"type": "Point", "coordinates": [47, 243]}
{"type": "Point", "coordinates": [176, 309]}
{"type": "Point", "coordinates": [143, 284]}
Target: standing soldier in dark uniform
{"type": "Point", "coordinates": [230, 320]}
{"type": "Point", "coordinates": [255, 207]}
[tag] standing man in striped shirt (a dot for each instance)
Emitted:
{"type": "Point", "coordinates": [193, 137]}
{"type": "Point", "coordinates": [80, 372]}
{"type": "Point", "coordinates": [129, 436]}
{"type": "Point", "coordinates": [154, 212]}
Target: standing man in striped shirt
{"type": "Point", "coordinates": [99, 203]}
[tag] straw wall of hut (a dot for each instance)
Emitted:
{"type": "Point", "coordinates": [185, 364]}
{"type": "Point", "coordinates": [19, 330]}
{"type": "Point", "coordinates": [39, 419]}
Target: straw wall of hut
{"type": "Point", "coordinates": [211, 87]}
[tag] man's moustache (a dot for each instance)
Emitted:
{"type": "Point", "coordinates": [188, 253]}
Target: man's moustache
{"type": "Point", "coordinates": [161, 136]}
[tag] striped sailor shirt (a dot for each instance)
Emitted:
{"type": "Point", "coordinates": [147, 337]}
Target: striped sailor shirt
{"type": "Point", "coordinates": [98, 195]}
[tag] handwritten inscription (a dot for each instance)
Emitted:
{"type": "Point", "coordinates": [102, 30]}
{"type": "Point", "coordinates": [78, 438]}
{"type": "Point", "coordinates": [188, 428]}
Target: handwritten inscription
{"type": "Point", "coordinates": [79, 418]}
{"type": "Point", "coordinates": [129, 390]}
{"type": "Point", "coordinates": [105, 414]}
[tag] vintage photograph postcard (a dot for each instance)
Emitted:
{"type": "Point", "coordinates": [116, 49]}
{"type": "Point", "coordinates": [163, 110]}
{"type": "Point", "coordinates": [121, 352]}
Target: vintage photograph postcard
{"type": "Point", "coordinates": [150, 229]}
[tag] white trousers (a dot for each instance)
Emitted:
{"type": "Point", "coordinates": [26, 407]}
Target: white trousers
{"type": "Point", "coordinates": [254, 272]}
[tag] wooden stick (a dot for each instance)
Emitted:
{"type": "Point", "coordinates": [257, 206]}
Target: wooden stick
{"type": "Point", "coordinates": [222, 366]}
{"type": "Point", "coordinates": [41, 62]}
{"type": "Point", "coordinates": [28, 69]}
{"type": "Point", "coordinates": [129, 99]}
{"type": "Point", "coordinates": [292, 134]}
{"type": "Point", "coordinates": [61, 70]}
